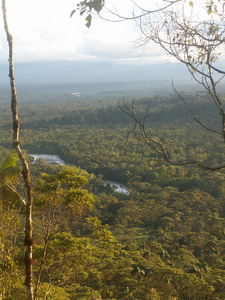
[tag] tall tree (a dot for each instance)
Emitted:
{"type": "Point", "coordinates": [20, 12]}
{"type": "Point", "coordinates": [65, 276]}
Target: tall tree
{"type": "Point", "coordinates": [28, 241]}
{"type": "Point", "coordinates": [10, 202]}
{"type": "Point", "coordinates": [61, 200]}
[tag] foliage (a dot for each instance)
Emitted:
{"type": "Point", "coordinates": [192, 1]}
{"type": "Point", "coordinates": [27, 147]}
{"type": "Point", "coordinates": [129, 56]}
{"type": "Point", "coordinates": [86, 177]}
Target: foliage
{"type": "Point", "coordinates": [86, 7]}
{"type": "Point", "coordinates": [9, 176]}
{"type": "Point", "coordinates": [10, 272]}
{"type": "Point", "coordinates": [165, 240]}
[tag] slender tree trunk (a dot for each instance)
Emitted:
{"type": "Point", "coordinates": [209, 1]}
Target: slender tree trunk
{"type": "Point", "coordinates": [223, 123]}
{"type": "Point", "coordinates": [42, 263]}
{"type": "Point", "coordinates": [28, 242]}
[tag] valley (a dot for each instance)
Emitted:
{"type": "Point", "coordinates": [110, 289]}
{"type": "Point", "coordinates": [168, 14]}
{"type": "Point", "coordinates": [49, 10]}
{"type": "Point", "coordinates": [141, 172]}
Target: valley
{"type": "Point", "coordinates": [163, 240]}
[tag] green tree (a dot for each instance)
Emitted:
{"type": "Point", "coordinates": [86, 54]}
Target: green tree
{"type": "Point", "coordinates": [9, 177]}
{"type": "Point", "coordinates": [60, 202]}
{"type": "Point", "coordinates": [10, 203]}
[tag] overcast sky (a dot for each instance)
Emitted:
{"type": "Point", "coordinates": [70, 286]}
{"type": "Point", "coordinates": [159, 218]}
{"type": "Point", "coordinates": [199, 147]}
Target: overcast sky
{"type": "Point", "coordinates": [43, 31]}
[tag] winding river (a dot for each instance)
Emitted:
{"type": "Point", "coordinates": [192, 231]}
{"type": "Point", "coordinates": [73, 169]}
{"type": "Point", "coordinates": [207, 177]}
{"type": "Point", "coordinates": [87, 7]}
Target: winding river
{"type": "Point", "coordinates": [50, 159]}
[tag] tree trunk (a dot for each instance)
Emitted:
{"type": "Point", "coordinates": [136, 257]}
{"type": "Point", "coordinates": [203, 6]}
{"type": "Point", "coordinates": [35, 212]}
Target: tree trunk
{"type": "Point", "coordinates": [28, 242]}
{"type": "Point", "coordinates": [42, 263]}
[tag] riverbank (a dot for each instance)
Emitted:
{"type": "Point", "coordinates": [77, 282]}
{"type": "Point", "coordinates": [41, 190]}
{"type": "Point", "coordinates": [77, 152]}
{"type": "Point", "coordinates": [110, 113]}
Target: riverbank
{"type": "Point", "coordinates": [52, 158]}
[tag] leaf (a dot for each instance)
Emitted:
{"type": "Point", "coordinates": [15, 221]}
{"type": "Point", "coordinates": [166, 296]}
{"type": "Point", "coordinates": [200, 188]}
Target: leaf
{"type": "Point", "coordinates": [72, 13]}
{"type": "Point", "coordinates": [10, 160]}
{"type": "Point", "coordinates": [82, 11]}
{"type": "Point", "coordinates": [83, 3]}
{"type": "Point", "coordinates": [12, 198]}
{"type": "Point", "coordinates": [97, 5]}
{"type": "Point", "coordinates": [209, 11]}
{"type": "Point", "coordinates": [10, 174]}
{"type": "Point", "coordinates": [88, 19]}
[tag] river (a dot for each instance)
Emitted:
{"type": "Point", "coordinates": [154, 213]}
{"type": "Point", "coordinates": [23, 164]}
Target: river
{"type": "Point", "coordinates": [119, 188]}
{"type": "Point", "coordinates": [50, 159]}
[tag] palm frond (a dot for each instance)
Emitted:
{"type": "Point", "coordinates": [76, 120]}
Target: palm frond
{"type": "Point", "coordinates": [10, 174]}
{"type": "Point", "coordinates": [10, 160]}
{"type": "Point", "coordinates": [11, 197]}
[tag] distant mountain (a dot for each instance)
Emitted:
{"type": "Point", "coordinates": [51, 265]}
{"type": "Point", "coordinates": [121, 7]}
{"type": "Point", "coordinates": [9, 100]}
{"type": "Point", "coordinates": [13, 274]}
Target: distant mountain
{"type": "Point", "coordinates": [84, 71]}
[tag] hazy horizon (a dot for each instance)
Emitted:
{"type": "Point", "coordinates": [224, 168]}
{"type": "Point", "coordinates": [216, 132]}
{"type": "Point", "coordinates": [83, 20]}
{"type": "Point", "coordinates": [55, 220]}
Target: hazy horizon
{"type": "Point", "coordinates": [85, 71]}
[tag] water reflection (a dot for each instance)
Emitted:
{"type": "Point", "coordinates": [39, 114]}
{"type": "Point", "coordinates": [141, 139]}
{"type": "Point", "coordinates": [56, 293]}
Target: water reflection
{"type": "Point", "coordinates": [119, 188]}
{"type": "Point", "coordinates": [49, 159]}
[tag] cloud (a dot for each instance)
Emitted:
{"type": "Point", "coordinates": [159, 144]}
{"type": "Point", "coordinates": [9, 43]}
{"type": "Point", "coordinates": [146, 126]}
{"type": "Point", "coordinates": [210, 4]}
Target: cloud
{"type": "Point", "coordinates": [43, 31]}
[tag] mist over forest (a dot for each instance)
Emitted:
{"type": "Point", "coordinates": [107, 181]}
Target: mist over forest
{"type": "Point", "coordinates": [92, 72]}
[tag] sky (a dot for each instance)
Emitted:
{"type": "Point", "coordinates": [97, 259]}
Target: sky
{"type": "Point", "coordinates": [43, 31]}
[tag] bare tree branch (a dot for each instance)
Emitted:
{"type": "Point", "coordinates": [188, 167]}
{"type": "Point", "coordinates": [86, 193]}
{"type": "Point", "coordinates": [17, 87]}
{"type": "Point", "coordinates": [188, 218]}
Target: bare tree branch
{"type": "Point", "coordinates": [193, 115]}
{"type": "Point", "coordinates": [140, 134]}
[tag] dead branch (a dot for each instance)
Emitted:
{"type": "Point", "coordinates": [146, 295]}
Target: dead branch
{"type": "Point", "coordinates": [140, 134]}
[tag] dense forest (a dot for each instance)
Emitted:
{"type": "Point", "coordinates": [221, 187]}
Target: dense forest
{"type": "Point", "coordinates": [163, 240]}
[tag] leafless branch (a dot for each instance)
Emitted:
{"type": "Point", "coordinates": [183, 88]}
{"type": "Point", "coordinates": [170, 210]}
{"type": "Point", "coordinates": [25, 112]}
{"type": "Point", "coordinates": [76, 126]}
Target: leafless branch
{"type": "Point", "coordinates": [193, 115]}
{"type": "Point", "coordinates": [144, 12]}
{"type": "Point", "coordinates": [140, 134]}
